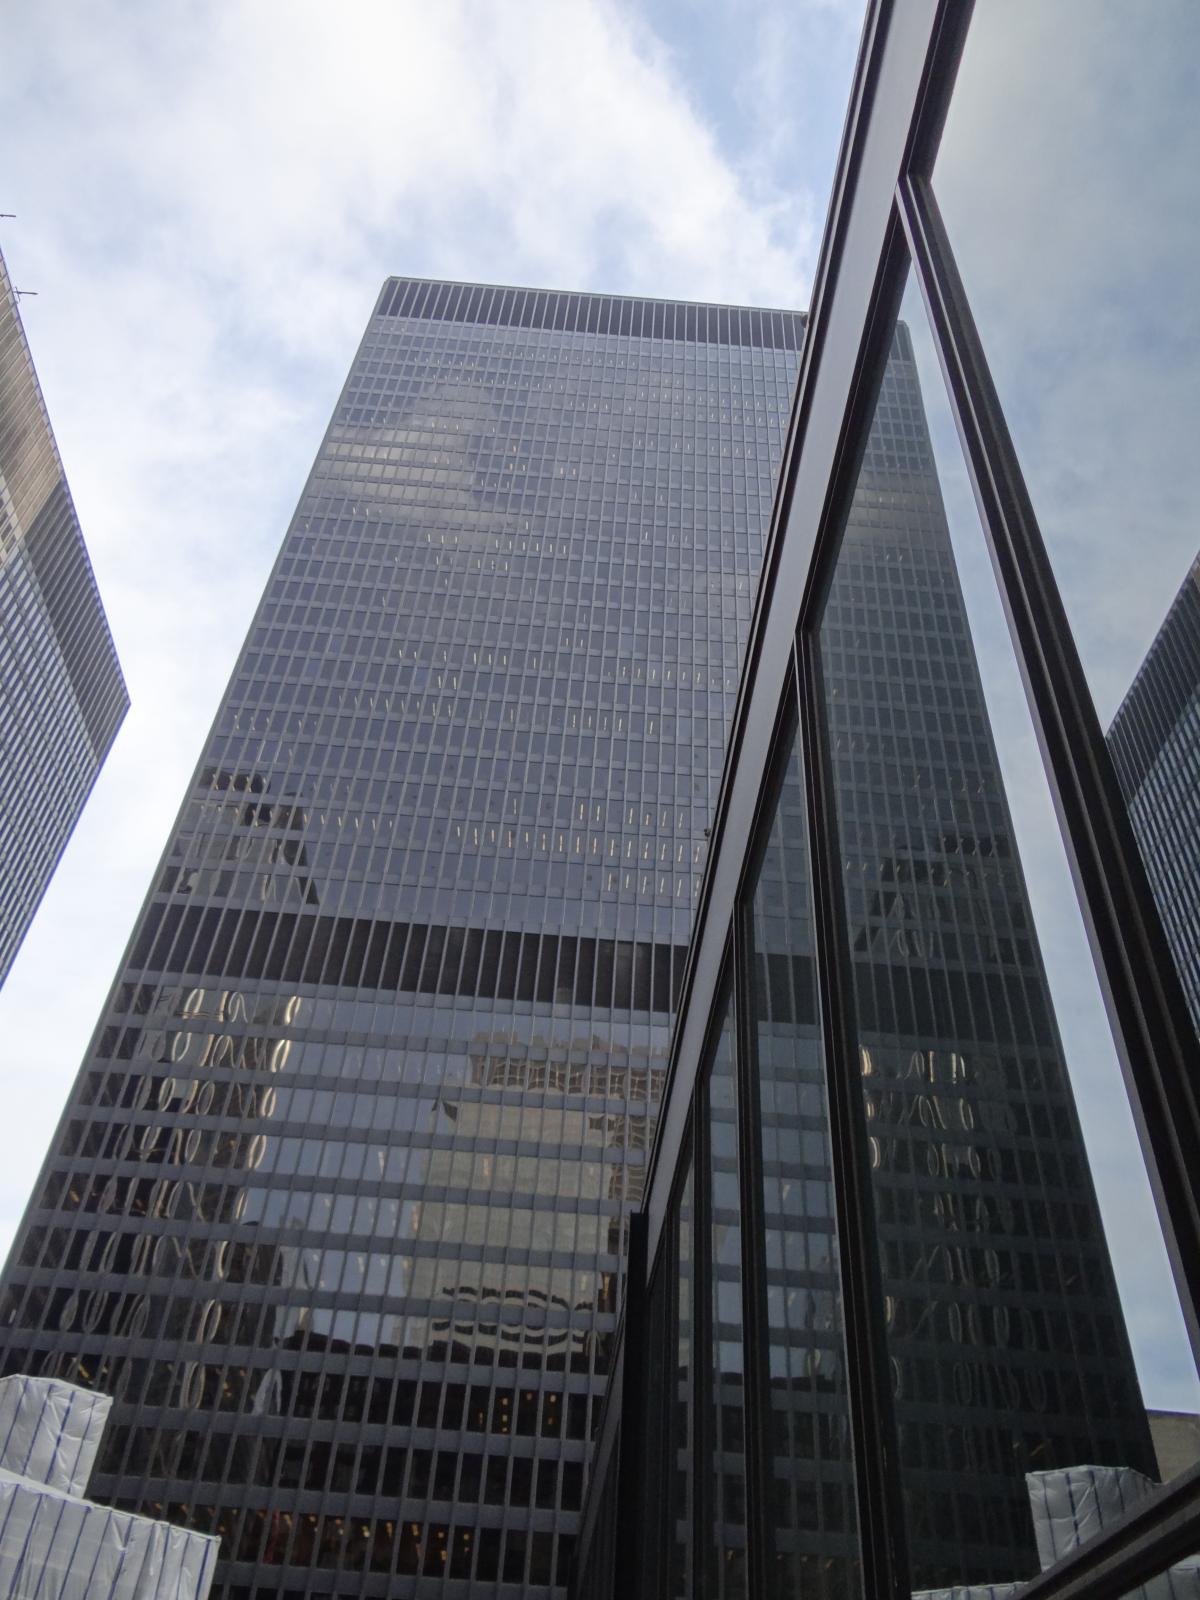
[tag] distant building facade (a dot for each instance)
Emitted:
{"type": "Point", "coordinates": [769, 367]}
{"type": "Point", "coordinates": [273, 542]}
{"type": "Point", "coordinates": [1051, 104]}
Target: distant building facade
{"type": "Point", "coordinates": [62, 696]}
{"type": "Point", "coordinates": [1155, 744]}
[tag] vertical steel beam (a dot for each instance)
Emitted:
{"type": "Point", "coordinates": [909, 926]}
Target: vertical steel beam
{"type": "Point", "coordinates": [632, 1522]}
{"type": "Point", "coordinates": [878, 1492]}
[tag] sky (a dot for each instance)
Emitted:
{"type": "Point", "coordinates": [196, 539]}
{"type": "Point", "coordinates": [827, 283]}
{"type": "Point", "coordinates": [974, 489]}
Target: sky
{"type": "Point", "coordinates": [207, 206]}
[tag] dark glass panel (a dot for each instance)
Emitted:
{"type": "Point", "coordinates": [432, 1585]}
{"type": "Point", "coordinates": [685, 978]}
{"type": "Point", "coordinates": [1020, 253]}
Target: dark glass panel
{"type": "Point", "coordinates": [726, 1555]}
{"type": "Point", "coordinates": [812, 1512]}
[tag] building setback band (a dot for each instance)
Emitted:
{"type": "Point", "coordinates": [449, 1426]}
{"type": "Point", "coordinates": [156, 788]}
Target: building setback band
{"type": "Point", "coordinates": [560, 312]}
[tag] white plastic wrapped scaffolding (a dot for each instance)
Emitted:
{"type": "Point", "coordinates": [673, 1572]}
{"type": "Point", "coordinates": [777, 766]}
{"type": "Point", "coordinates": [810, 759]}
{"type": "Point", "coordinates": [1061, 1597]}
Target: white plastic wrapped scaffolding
{"type": "Point", "coordinates": [50, 1431]}
{"type": "Point", "coordinates": [54, 1544]}
{"type": "Point", "coordinates": [1073, 1504]}
{"type": "Point", "coordinates": [972, 1591]}
{"type": "Point", "coordinates": [1070, 1506]}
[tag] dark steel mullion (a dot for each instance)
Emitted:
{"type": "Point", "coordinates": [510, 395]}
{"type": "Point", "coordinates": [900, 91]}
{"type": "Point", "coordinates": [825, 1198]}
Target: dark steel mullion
{"type": "Point", "coordinates": [1155, 1038]}
{"type": "Point", "coordinates": [877, 1472]}
{"type": "Point", "coordinates": [630, 1464]}
{"type": "Point", "coordinates": [704, 1395]}
{"type": "Point", "coordinates": [760, 1543]}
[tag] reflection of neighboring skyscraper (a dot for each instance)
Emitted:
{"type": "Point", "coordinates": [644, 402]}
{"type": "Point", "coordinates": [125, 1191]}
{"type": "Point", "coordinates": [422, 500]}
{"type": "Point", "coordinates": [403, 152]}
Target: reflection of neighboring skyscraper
{"type": "Point", "coordinates": [1154, 741]}
{"type": "Point", "coordinates": [62, 697]}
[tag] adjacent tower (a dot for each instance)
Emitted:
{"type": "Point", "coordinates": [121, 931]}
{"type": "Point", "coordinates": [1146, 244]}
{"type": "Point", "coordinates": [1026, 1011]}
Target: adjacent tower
{"type": "Point", "coordinates": [1154, 741]}
{"type": "Point", "coordinates": [336, 1210]}
{"type": "Point", "coordinates": [62, 696]}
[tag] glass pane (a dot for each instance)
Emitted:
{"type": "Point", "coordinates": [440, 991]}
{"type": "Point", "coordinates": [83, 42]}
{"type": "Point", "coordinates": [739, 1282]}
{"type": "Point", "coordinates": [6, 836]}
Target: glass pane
{"type": "Point", "coordinates": [1069, 179]}
{"type": "Point", "coordinates": [1008, 1345]}
{"type": "Point", "coordinates": [810, 1472]}
{"type": "Point", "coordinates": [681, 1493]}
{"type": "Point", "coordinates": [728, 1550]}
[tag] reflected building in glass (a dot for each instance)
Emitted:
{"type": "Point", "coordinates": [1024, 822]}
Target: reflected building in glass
{"type": "Point", "coordinates": [62, 696]}
{"type": "Point", "coordinates": [1154, 741]}
{"type": "Point", "coordinates": [337, 1208]}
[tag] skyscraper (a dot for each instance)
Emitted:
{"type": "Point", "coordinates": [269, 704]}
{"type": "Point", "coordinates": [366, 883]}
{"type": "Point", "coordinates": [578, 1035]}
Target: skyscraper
{"type": "Point", "coordinates": [1154, 741]}
{"type": "Point", "coordinates": [336, 1210]}
{"type": "Point", "coordinates": [62, 696]}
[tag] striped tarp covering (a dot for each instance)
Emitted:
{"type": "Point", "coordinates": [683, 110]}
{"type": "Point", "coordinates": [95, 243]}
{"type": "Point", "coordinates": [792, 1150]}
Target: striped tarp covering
{"type": "Point", "coordinates": [50, 1431]}
{"type": "Point", "coordinates": [972, 1591]}
{"type": "Point", "coordinates": [1073, 1504]}
{"type": "Point", "coordinates": [54, 1546]}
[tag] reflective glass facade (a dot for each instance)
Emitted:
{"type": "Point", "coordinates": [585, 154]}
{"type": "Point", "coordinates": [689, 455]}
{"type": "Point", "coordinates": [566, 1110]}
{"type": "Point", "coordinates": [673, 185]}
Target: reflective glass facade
{"type": "Point", "coordinates": [62, 696]}
{"type": "Point", "coordinates": [1155, 745]}
{"type": "Point", "coordinates": [337, 1208]}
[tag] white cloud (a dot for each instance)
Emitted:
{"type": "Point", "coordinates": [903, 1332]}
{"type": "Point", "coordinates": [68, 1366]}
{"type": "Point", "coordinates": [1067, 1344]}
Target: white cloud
{"type": "Point", "coordinates": [209, 199]}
